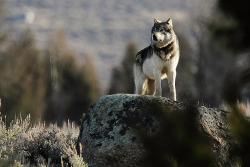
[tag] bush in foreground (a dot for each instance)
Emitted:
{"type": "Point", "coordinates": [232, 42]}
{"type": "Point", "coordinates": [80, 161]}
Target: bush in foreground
{"type": "Point", "coordinates": [24, 145]}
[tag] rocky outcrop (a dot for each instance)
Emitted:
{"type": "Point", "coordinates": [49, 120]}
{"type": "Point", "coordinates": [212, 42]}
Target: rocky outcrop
{"type": "Point", "coordinates": [109, 132]}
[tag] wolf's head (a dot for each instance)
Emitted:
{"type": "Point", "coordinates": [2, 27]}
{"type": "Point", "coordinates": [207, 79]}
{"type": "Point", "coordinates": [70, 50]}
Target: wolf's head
{"type": "Point", "coordinates": [162, 33]}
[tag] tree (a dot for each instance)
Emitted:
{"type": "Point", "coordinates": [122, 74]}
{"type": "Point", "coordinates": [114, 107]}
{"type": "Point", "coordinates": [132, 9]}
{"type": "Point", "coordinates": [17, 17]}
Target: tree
{"type": "Point", "coordinates": [122, 80]}
{"type": "Point", "coordinates": [91, 77]}
{"type": "Point", "coordinates": [68, 93]}
{"type": "Point", "coordinates": [22, 78]}
{"type": "Point", "coordinates": [235, 27]}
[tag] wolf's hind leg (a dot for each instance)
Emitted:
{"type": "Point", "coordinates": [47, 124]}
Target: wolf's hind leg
{"type": "Point", "coordinates": [171, 83]}
{"type": "Point", "coordinates": [139, 79]}
{"type": "Point", "coordinates": [139, 86]}
{"type": "Point", "coordinates": [150, 86]}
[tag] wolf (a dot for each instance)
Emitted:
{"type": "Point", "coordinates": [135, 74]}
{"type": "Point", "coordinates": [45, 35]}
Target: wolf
{"type": "Point", "coordinates": [157, 61]}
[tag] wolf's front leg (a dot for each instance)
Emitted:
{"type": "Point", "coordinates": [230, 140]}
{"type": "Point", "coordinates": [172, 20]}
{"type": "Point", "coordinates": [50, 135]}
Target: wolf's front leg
{"type": "Point", "coordinates": [171, 82]}
{"type": "Point", "coordinates": [158, 90]}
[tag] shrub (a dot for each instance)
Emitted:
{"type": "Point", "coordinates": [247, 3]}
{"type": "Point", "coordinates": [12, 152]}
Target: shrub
{"type": "Point", "coordinates": [23, 144]}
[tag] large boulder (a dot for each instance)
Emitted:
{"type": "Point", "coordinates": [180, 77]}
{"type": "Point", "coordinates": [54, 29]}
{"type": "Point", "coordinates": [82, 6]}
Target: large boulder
{"type": "Point", "coordinates": [109, 131]}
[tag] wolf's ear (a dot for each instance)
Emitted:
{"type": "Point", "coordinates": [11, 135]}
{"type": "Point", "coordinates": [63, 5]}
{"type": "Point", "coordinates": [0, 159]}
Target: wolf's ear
{"type": "Point", "coordinates": [157, 21]}
{"type": "Point", "coordinates": [169, 22]}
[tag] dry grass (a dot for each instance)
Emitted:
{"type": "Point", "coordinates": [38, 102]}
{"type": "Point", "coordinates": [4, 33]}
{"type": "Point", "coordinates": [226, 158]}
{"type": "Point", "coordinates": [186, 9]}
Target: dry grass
{"type": "Point", "coordinates": [244, 107]}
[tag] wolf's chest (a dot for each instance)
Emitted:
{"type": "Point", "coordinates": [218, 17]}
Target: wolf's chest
{"type": "Point", "coordinates": [161, 62]}
{"type": "Point", "coordinates": [154, 64]}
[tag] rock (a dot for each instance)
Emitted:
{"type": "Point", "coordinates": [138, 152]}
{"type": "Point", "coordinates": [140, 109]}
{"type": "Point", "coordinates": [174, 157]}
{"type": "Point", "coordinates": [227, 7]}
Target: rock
{"type": "Point", "coordinates": [109, 132]}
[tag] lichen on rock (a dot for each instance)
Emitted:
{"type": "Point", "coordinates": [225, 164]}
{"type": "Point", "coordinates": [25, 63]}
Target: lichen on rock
{"type": "Point", "coordinates": [109, 133]}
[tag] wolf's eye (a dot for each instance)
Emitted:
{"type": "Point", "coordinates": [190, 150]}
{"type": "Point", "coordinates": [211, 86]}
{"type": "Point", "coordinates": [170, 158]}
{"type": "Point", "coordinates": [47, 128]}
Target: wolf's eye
{"type": "Point", "coordinates": [162, 29]}
{"type": "Point", "coordinates": [168, 30]}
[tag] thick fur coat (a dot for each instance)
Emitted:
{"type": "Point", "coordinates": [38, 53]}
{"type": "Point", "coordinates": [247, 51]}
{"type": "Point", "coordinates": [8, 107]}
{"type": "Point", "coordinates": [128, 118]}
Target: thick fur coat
{"type": "Point", "coordinates": [158, 61]}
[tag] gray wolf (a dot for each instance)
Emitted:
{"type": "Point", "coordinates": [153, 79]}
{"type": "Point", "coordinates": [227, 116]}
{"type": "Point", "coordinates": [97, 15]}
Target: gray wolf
{"type": "Point", "coordinates": [158, 61]}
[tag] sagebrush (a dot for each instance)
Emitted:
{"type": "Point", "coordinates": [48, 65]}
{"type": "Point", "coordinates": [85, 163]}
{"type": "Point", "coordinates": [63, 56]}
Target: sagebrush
{"type": "Point", "coordinates": [24, 144]}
